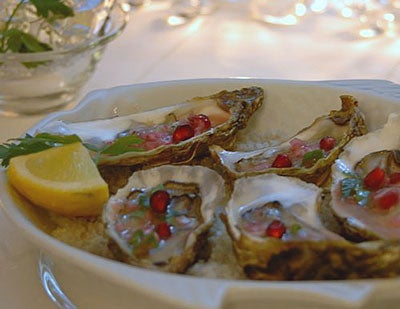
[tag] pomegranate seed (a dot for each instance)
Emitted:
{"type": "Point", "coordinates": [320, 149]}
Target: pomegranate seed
{"type": "Point", "coordinates": [327, 143]}
{"type": "Point", "coordinates": [282, 160]}
{"type": "Point", "coordinates": [159, 201]}
{"type": "Point", "coordinates": [163, 230]}
{"type": "Point", "coordinates": [200, 122]}
{"type": "Point", "coordinates": [386, 199]}
{"type": "Point", "coordinates": [394, 178]}
{"type": "Point", "coordinates": [375, 179]}
{"type": "Point", "coordinates": [182, 133]}
{"type": "Point", "coordinates": [275, 229]}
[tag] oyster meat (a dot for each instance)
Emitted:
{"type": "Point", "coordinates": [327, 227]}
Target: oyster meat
{"type": "Point", "coordinates": [160, 219]}
{"type": "Point", "coordinates": [168, 134]}
{"type": "Point", "coordinates": [366, 185]}
{"type": "Point", "coordinates": [274, 222]}
{"type": "Point", "coordinates": [307, 155]}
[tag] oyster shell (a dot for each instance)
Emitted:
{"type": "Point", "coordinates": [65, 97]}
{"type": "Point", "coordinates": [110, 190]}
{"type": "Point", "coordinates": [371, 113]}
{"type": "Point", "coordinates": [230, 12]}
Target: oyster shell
{"type": "Point", "coordinates": [277, 234]}
{"type": "Point", "coordinates": [369, 211]}
{"type": "Point", "coordinates": [307, 160]}
{"type": "Point", "coordinates": [133, 225]}
{"type": "Point", "coordinates": [228, 112]}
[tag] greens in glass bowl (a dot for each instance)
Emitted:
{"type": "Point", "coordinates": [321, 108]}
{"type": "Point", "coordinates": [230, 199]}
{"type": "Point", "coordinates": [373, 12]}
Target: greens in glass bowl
{"type": "Point", "coordinates": [50, 48]}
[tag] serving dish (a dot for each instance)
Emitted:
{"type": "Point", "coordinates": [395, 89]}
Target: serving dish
{"type": "Point", "coordinates": [105, 283]}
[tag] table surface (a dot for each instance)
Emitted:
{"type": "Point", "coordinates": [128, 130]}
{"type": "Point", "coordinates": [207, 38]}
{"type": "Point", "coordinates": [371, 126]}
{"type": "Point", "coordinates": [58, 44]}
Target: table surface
{"type": "Point", "coordinates": [226, 43]}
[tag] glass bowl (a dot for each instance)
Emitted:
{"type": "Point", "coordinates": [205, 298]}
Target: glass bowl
{"type": "Point", "coordinates": [36, 83]}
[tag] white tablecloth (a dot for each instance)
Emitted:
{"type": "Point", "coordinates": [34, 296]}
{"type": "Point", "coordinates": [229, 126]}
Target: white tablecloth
{"type": "Point", "coordinates": [227, 43]}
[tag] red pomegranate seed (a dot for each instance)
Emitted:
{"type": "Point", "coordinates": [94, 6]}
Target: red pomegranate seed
{"type": "Point", "coordinates": [159, 201]}
{"type": "Point", "coordinates": [275, 229]}
{"type": "Point", "coordinates": [163, 230]}
{"type": "Point", "coordinates": [327, 143]}
{"type": "Point", "coordinates": [200, 122]}
{"type": "Point", "coordinates": [394, 178]}
{"type": "Point", "coordinates": [386, 199]}
{"type": "Point", "coordinates": [282, 160]}
{"type": "Point", "coordinates": [182, 133]}
{"type": "Point", "coordinates": [375, 179]}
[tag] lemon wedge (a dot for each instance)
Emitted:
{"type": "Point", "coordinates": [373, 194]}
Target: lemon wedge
{"type": "Point", "coordinates": [62, 179]}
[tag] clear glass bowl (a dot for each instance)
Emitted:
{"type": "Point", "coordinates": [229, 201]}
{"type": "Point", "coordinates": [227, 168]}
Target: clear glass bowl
{"type": "Point", "coordinates": [35, 83]}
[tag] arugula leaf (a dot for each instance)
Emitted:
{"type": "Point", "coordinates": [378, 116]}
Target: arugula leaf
{"type": "Point", "coordinates": [122, 145]}
{"type": "Point", "coordinates": [46, 8]}
{"type": "Point", "coordinates": [31, 144]}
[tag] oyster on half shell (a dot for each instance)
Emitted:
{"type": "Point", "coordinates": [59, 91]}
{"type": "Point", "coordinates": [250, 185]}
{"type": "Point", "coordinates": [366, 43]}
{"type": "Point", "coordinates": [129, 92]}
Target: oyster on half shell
{"type": "Point", "coordinates": [202, 121]}
{"type": "Point", "coordinates": [302, 155]}
{"type": "Point", "coordinates": [366, 185]}
{"type": "Point", "coordinates": [274, 222]}
{"type": "Point", "coordinates": [170, 236]}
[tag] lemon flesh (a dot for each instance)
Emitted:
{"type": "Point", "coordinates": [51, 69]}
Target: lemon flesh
{"type": "Point", "coordinates": [62, 179]}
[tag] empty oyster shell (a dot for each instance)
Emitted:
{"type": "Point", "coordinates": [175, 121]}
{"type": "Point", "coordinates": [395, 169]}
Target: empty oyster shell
{"type": "Point", "coordinates": [366, 187]}
{"type": "Point", "coordinates": [307, 159]}
{"type": "Point", "coordinates": [168, 240]}
{"type": "Point", "coordinates": [277, 234]}
{"type": "Point", "coordinates": [213, 119]}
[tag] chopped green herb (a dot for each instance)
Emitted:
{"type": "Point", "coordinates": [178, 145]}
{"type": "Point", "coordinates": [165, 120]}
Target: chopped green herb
{"type": "Point", "coordinates": [311, 157]}
{"type": "Point", "coordinates": [141, 243]}
{"type": "Point", "coordinates": [136, 238]}
{"type": "Point", "coordinates": [144, 200]}
{"type": "Point", "coordinates": [138, 214]}
{"type": "Point", "coordinates": [295, 228]}
{"type": "Point", "coordinates": [362, 196]}
{"type": "Point", "coordinates": [352, 186]}
{"type": "Point", "coordinates": [151, 241]}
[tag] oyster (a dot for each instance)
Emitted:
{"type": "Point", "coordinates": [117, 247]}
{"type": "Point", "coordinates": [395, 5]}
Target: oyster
{"type": "Point", "coordinates": [366, 185]}
{"type": "Point", "coordinates": [168, 134]}
{"type": "Point", "coordinates": [307, 155]}
{"type": "Point", "coordinates": [274, 222]}
{"type": "Point", "coordinates": [160, 219]}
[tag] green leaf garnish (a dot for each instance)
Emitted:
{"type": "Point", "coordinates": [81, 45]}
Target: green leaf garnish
{"type": "Point", "coordinates": [122, 145]}
{"type": "Point", "coordinates": [136, 238]}
{"type": "Point", "coordinates": [18, 41]}
{"type": "Point", "coordinates": [46, 8]}
{"type": "Point", "coordinates": [352, 186]}
{"type": "Point", "coordinates": [22, 42]}
{"type": "Point", "coordinates": [311, 157]}
{"type": "Point", "coordinates": [295, 228]}
{"type": "Point", "coordinates": [141, 243]}
{"type": "Point", "coordinates": [137, 214]}
{"type": "Point", "coordinates": [31, 144]}
{"type": "Point", "coordinates": [144, 200]}
{"type": "Point", "coordinates": [349, 186]}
